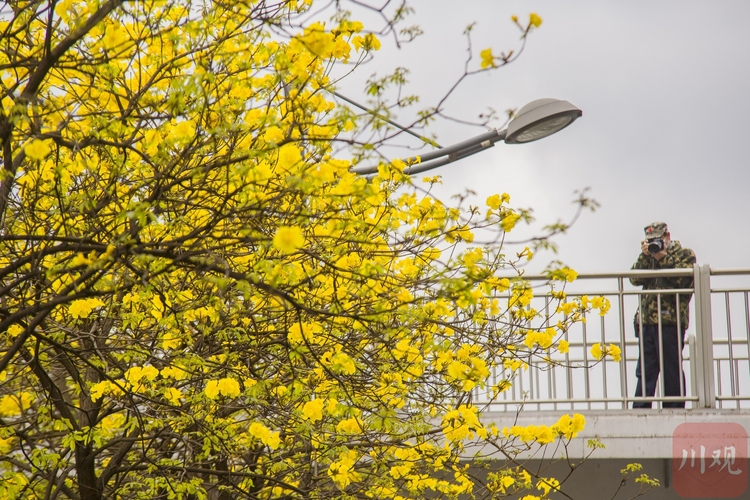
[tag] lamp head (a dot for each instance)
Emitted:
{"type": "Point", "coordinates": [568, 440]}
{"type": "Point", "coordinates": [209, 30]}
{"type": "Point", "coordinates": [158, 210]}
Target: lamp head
{"type": "Point", "coordinates": [540, 118]}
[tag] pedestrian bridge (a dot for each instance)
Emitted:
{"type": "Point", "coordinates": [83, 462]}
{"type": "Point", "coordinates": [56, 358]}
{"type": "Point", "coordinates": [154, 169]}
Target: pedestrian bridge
{"type": "Point", "coordinates": [716, 360]}
{"type": "Point", "coordinates": [716, 393]}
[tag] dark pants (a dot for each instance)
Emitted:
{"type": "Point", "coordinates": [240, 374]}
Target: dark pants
{"type": "Point", "coordinates": [671, 348]}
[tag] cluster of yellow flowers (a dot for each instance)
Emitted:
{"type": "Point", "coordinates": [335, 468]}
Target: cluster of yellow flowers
{"type": "Point", "coordinates": [12, 405]}
{"type": "Point", "coordinates": [600, 351]}
{"type": "Point", "coordinates": [226, 386]}
{"type": "Point", "coordinates": [466, 368]}
{"type": "Point", "coordinates": [83, 308]}
{"type": "Point", "coordinates": [463, 423]}
{"type": "Point", "coordinates": [567, 426]}
{"type": "Point", "coordinates": [265, 435]}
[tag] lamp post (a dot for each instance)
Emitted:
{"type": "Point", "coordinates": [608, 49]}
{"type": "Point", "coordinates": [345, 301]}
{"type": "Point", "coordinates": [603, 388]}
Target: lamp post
{"type": "Point", "coordinates": [537, 120]}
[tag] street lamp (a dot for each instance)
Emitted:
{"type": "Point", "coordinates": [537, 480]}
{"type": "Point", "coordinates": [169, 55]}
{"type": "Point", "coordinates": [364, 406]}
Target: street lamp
{"type": "Point", "coordinates": [537, 120]}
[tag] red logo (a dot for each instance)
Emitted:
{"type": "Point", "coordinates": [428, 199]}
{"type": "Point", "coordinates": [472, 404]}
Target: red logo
{"type": "Point", "coordinates": [709, 460]}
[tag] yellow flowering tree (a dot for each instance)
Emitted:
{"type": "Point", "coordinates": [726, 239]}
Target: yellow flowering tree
{"type": "Point", "coordinates": [199, 299]}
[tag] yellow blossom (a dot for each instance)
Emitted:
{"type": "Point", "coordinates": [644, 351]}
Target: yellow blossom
{"type": "Point", "coordinates": [367, 42]}
{"type": "Point", "coordinates": [547, 484]}
{"type": "Point", "coordinates": [342, 363]}
{"type": "Point", "coordinates": [289, 157]}
{"type": "Point", "coordinates": [15, 330]}
{"type": "Point", "coordinates": [535, 20]}
{"type": "Point", "coordinates": [174, 372]}
{"type": "Point", "coordinates": [599, 351]}
{"type": "Point", "coordinates": [6, 445]}
{"type": "Point", "coordinates": [313, 410]}
{"type": "Point", "coordinates": [404, 295]}
{"type": "Point", "coordinates": [488, 60]}
{"type": "Point", "coordinates": [99, 389]}
{"type": "Point", "coordinates": [398, 164]}
{"type": "Point", "coordinates": [136, 375]}
{"type": "Point", "coordinates": [212, 389]}
{"type": "Point", "coordinates": [601, 303]}
{"type": "Point", "coordinates": [615, 352]}
{"type": "Point", "coordinates": [83, 308]}
{"type": "Point", "coordinates": [12, 405]}
{"type": "Point", "coordinates": [170, 341]}
{"type": "Point", "coordinates": [349, 426]}
{"type": "Point", "coordinates": [509, 221]}
{"type": "Point", "coordinates": [264, 434]}
{"type": "Point", "coordinates": [273, 135]}
{"type": "Point", "coordinates": [173, 395]}
{"type": "Point", "coordinates": [494, 201]}
{"type": "Point", "coordinates": [567, 308]}
{"type": "Point", "coordinates": [596, 351]}
{"type": "Point", "coordinates": [401, 470]}
{"type": "Point", "coordinates": [569, 274]}
{"type": "Point", "coordinates": [113, 422]}
{"type": "Point", "coordinates": [568, 426]}
{"type": "Point", "coordinates": [342, 471]}
{"type": "Point", "coordinates": [36, 149]}
{"type": "Point", "coordinates": [229, 387]}
{"type": "Point", "coordinates": [563, 346]}
{"type": "Point", "coordinates": [543, 339]}
{"type": "Point", "coordinates": [288, 239]}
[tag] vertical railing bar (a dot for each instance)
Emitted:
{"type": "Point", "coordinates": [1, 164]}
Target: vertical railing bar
{"type": "Point", "coordinates": [730, 345]}
{"type": "Point", "coordinates": [551, 383]}
{"type": "Point", "coordinates": [511, 394]}
{"type": "Point", "coordinates": [660, 341]}
{"type": "Point", "coordinates": [537, 384]}
{"type": "Point", "coordinates": [623, 366]}
{"type": "Point", "coordinates": [641, 350]}
{"type": "Point", "coordinates": [736, 372]}
{"type": "Point", "coordinates": [698, 353]}
{"type": "Point", "coordinates": [552, 375]}
{"type": "Point", "coordinates": [554, 382]}
{"type": "Point", "coordinates": [520, 385]}
{"type": "Point", "coordinates": [707, 387]}
{"type": "Point", "coordinates": [718, 382]}
{"type": "Point", "coordinates": [530, 373]}
{"type": "Point", "coordinates": [604, 362]}
{"type": "Point", "coordinates": [586, 389]}
{"type": "Point", "coordinates": [683, 392]}
{"type": "Point", "coordinates": [692, 347]}
{"type": "Point", "coordinates": [568, 370]}
{"type": "Point", "coordinates": [710, 337]}
{"type": "Point", "coordinates": [495, 380]}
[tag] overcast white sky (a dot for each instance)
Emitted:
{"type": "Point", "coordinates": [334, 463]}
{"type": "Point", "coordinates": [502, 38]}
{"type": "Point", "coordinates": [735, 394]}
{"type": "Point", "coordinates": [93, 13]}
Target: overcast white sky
{"type": "Point", "coordinates": [663, 86]}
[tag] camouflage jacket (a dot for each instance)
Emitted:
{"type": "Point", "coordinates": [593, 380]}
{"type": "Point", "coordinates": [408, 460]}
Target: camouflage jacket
{"type": "Point", "coordinates": [677, 257]}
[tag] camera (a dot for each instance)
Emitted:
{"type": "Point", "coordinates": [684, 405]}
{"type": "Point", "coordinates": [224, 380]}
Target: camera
{"type": "Point", "coordinates": [655, 245]}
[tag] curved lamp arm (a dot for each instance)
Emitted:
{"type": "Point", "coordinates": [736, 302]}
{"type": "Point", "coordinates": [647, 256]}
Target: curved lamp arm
{"type": "Point", "coordinates": [537, 120]}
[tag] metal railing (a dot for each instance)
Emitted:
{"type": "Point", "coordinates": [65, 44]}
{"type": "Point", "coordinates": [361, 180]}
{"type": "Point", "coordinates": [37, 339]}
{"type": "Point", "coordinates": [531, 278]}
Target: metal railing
{"type": "Point", "coordinates": [715, 361]}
